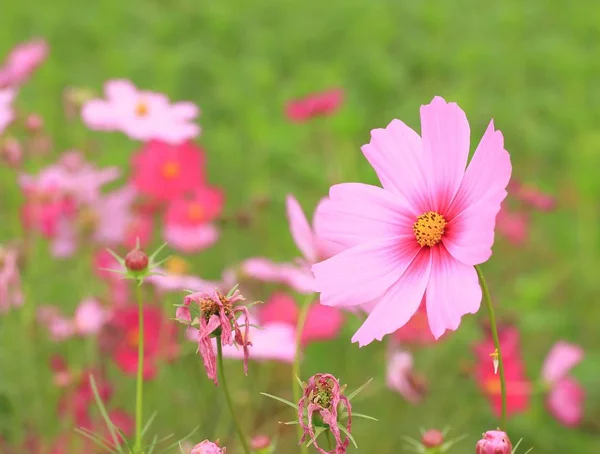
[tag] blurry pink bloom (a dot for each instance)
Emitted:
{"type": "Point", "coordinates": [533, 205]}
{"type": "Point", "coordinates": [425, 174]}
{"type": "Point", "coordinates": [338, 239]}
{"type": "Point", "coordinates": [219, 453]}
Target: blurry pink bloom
{"type": "Point", "coordinates": [90, 316]}
{"type": "Point", "coordinates": [167, 172]}
{"type": "Point", "coordinates": [494, 442]}
{"type": "Point", "coordinates": [11, 294]}
{"type": "Point", "coordinates": [207, 447]}
{"type": "Point", "coordinates": [298, 278]}
{"type": "Point", "coordinates": [532, 196]}
{"type": "Point", "coordinates": [22, 61]}
{"type": "Point", "coordinates": [400, 376]}
{"type": "Point", "coordinates": [279, 308]}
{"type": "Point", "coordinates": [566, 396]}
{"type": "Point", "coordinates": [189, 225]}
{"type": "Point", "coordinates": [64, 241]}
{"type": "Point", "coordinates": [174, 278]}
{"type": "Point", "coordinates": [416, 331]}
{"type": "Point", "coordinates": [432, 438]}
{"type": "Point", "coordinates": [216, 312]}
{"type": "Point", "coordinates": [324, 103]}
{"type": "Point", "coordinates": [34, 123]}
{"type": "Point", "coordinates": [142, 115]}
{"type": "Point", "coordinates": [59, 327]}
{"type": "Point", "coordinates": [323, 395]}
{"type": "Point", "coordinates": [513, 225]}
{"type": "Point", "coordinates": [259, 442]}
{"type": "Point", "coordinates": [7, 114]}
{"type": "Point", "coordinates": [422, 233]}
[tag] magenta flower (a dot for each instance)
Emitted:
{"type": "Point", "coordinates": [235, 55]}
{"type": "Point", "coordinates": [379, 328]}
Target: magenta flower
{"type": "Point", "coordinates": [423, 232]}
{"type": "Point", "coordinates": [11, 294]}
{"type": "Point", "coordinates": [217, 316]}
{"type": "Point", "coordinates": [566, 396]}
{"type": "Point", "coordinates": [141, 115]}
{"type": "Point", "coordinates": [400, 377]}
{"type": "Point", "coordinates": [494, 442]}
{"type": "Point", "coordinates": [22, 61]}
{"type": "Point", "coordinates": [207, 447]}
{"type": "Point", "coordinates": [7, 114]}
{"type": "Point", "coordinates": [323, 396]}
{"type": "Point", "coordinates": [189, 221]}
{"type": "Point", "coordinates": [319, 104]}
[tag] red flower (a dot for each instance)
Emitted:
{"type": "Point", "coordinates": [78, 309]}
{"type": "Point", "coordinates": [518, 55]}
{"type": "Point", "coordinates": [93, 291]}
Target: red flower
{"type": "Point", "coordinates": [167, 172]}
{"type": "Point", "coordinates": [323, 103]}
{"type": "Point", "coordinates": [159, 339]}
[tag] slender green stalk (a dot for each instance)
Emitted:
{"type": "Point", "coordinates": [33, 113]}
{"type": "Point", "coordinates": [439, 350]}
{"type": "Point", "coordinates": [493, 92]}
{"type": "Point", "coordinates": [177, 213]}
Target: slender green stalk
{"type": "Point", "coordinates": [490, 308]}
{"type": "Point", "coordinates": [139, 395]}
{"type": "Point", "coordinates": [223, 382]}
{"type": "Point", "coordinates": [296, 366]}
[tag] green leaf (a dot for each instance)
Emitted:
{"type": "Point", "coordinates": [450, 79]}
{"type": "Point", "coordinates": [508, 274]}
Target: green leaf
{"type": "Point", "coordinates": [451, 443]}
{"type": "Point", "coordinates": [153, 444]}
{"type": "Point", "coordinates": [516, 446]}
{"type": "Point", "coordinates": [281, 399]}
{"type": "Point", "coordinates": [349, 435]}
{"type": "Point", "coordinates": [299, 381]}
{"type": "Point", "coordinates": [360, 415]}
{"type": "Point", "coordinates": [289, 423]}
{"type": "Point", "coordinates": [354, 394]}
{"type": "Point", "coordinates": [232, 291]}
{"type": "Point", "coordinates": [104, 413]}
{"type": "Point", "coordinates": [149, 423]}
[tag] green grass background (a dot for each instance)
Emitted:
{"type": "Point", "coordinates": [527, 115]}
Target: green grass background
{"type": "Point", "coordinates": [532, 66]}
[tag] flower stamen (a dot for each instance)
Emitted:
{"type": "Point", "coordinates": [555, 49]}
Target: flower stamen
{"type": "Point", "coordinates": [429, 228]}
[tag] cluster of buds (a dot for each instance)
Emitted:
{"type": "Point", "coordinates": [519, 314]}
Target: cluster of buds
{"type": "Point", "coordinates": [325, 409]}
{"type": "Point", "coordinates": [216, 315]}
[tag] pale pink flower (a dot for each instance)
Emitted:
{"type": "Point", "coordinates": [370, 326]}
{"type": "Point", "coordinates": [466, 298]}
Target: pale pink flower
{"type": "Point", "coordinates": [60, 328]}
{"type": "Point", "coordinates": [11, 294]}
{"type": "Point", "coordinates": [22, 61]}
{"type": "Point", "coordinates": [142, 115]}
{"type": "Point", "coordinates": [207, 447]}
{"type": "Point", "coordinates": [399, 376]}
{"type": "Point", "coordinates": [90, 316]}
{"type": "Point", "coordinates": [167, 281]}
{"type": "Point", "coordinates": [7, 113]}
{"type": "Point", "coordinates": [263, 269]}
{"type": "Point", "coordinates": [513, 225]}
{"type": "Point", "coordinates": [565, 396]}
{"type": "Point", "coordinates": [423, 232]}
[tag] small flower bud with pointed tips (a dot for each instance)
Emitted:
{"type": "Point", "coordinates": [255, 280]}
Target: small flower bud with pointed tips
{"type": "Point", "coordinates": [207, 447]}
{"type": "Point", "coordinates": [136, 260]}
{"type": "Point", "coordinates": [494, 442]}
{"type": "Point", "coordinates": [432, 438]}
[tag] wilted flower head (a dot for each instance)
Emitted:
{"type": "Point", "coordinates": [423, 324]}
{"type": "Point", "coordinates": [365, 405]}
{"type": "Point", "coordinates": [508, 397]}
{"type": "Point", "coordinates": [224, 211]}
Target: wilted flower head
{"type": "Point", "coordinates": [10, 279]}
{"type": "Point", "coordinates": [324, 103]}
{"type": "Point", "coordinates": [22, 61]}
{"type": "Point", "coordinates": [207, 447]}
{"type": "Point", "coordinates": [141, 115]}
{"type": "Point", "coordinates": [217, 316]}
{"type": "Point", "coordinates": [565, 395]}
{"type": "Point", "coordinates": [423, 232]}
{"type": "Point", "coordinates": [323, 395]}
{"type": "Point", "coordinates": [494, 442]}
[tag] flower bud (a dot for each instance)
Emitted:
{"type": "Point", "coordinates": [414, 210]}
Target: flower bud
{"type": "Point", "coordinates": [207, 447]}
{"type": "Point", "coordinates": [34, 123]}
{"type": "Point", "coordinates": [136, 260]}
{"type": "Point", "coordinates": [494, 442]}
{"type": "Point", "coordinates": [432, 438]}
{"type": "Point", "coordinates": [260, 442]}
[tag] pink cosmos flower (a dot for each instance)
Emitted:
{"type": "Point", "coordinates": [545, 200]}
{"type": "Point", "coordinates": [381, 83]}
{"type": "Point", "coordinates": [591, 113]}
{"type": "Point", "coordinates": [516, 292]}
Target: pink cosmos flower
{"type": "Point", "coordinates": [189, 225]}
{"type": "Point", "coordinates": [207, 447]}
{"type": "Point", "coordinates": [533, 197]}
{"type": "Point", "coordinates": [167, 172]}
{"type": "Point", "coordinates": [22, 61]}
{"type": "Point", "coordinates": [416, 331]}
{"type": "Point", "coordinates": [400, 377]}
{"type": "Point", "coordinates": [141, 115]}
{"type": "Point", "coordinates": [513, 225]}
{"type": "Point", "coordinates": [323, 395]}
{"type": "Point", "coordinates": [273, 341]}
{"type": "Point", "coordinates": [89, 317]}
{"type": "Point", "coordinates": [11, 294]}
{"type": "Point", "coordinates": [174, 278]}
{"type": "Point", "coordinates": [216, 311]}
{"type": "Point", "coordinates": [423, 232]}
{"type": "Point", "coordinates": [7, 114]}
{"type": "Point", "coordinates": [325, 103]}
{"type": "Point", "coordinates": [566, 396]}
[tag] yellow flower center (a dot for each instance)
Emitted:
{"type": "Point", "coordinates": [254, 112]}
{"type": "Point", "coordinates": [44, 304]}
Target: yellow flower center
{"type": "Point", "coordinates": [170, 169]}
{"type": "Point", "coordinates": [492, 386]}
{"type": "Point", "coordinates": [141, 109]}
{"type": "Point", "coordinates": [195, 212]}
{"type": "Point", "coordinates": [177, 266]}
{"type": "Point", "coordinates": [429, 228]}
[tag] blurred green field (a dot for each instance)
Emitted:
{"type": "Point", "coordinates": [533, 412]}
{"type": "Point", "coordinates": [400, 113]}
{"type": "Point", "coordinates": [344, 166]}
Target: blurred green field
{"type": "Point", "coordinates": [532, 66]}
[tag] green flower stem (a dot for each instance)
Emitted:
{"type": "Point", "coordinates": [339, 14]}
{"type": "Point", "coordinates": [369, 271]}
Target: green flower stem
{"type": "Point", "coordinates": [223, 383]}
{"type": "Point", "coordinates": [490, 308]}
{"type": "Point", "coordinates": [139, 396]}
{"type": "Point", "coordinates": [296, 366]}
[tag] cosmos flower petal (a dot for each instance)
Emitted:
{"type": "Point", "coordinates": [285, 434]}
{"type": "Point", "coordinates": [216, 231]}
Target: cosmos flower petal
{"type": "Point", "coordinates": [452, 292]}
{"type": "Point", "coordinates": [300, 229]}
{"type": "Point", "coordinates": [446, 136]}
{"type": "Point", "coordinates": [98, 115]}
{"type": "Point", "coordinates": [399, 303]}
{"type": "Point", "coordinates": [565, 402]}
{"type": "Point", "coordinates": [184, 110]}
{"type": "Point", "coordinates": [119, 90]}
{"type": "Point", "coordinates": [356, 213]}
{"type": "Point", "coordinates": [359, 274]}
{"type": "Point", "coordinates": [560, 360]}
{"type": "Point", "coordinates": [396, 155]}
